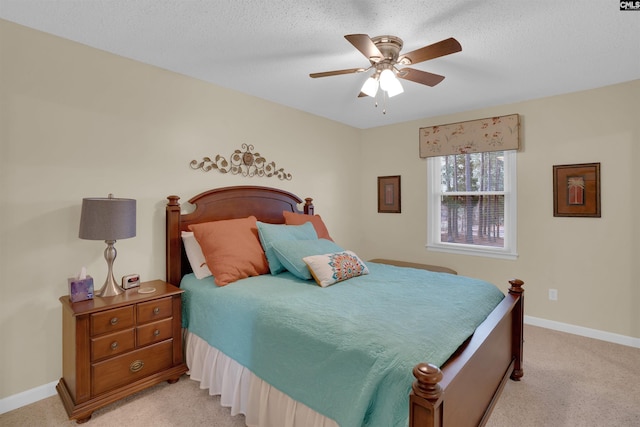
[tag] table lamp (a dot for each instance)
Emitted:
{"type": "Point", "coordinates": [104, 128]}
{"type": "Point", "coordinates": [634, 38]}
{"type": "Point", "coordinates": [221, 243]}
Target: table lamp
{"type": "Point", "coordinates": [108, 219]}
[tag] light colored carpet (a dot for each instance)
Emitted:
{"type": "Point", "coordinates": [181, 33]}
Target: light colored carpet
{"type": "Point", "coordinates": [569, 381]}
{"type": "Point", "coordinates": [572, 381]}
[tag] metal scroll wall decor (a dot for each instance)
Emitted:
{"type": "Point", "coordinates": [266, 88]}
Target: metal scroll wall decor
{"type": "Point", "coordinates": [242, 162]}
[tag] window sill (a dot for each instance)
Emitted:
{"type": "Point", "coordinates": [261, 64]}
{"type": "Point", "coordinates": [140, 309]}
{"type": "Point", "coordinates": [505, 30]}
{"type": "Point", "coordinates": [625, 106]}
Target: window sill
{"type": "Point", "coordinates": [474, 251]}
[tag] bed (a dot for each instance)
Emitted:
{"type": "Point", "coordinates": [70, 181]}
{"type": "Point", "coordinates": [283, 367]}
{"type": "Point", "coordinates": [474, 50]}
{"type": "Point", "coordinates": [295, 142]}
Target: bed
{"type": "Point", "coordinates": [459, 391]}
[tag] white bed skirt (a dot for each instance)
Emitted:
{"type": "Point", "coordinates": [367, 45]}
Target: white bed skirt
{"type": "Point", "coordinates": [245, 393]}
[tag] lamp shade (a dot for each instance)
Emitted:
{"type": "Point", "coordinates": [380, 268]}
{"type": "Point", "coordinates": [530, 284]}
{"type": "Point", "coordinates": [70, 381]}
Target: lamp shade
{"type": "Point", "coordinates": [370, 87]}
{"type": "Point", "coordinates": [107, 219]}
{"type": "Point", "coordinates": [389, 83]}
{"type": "Point", "coordinates": [386, 79]}
{"type": "Point", "coordinates": [394, 88]}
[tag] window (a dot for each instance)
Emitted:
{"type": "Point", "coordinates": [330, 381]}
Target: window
{"type": "Point", "coordinates": [472, 204]}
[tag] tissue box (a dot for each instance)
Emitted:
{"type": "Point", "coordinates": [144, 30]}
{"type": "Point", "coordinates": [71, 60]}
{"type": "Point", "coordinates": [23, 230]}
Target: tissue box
{"type": "Point", "coordinates": [80, 289]}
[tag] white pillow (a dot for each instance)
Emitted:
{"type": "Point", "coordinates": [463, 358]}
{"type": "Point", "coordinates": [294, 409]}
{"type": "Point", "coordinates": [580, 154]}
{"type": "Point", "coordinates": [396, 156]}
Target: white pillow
{"type": "Point", "coordinates": [331, 268]}
{"type": "Point", "coordinates": [195, 255]}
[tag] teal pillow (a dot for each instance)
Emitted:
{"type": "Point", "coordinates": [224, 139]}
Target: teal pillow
{"type": "Point", "coordinates": [291, 252]}
{"type": "Point", "coordinates": [270, 233]}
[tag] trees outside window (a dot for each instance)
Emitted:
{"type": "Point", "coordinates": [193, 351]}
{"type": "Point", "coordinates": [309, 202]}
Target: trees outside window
{"type": "Point", "coordinates": [472, 203]}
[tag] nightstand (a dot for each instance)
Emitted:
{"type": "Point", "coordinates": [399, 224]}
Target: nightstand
{"type": "Point", "coordinates": [116, 346]}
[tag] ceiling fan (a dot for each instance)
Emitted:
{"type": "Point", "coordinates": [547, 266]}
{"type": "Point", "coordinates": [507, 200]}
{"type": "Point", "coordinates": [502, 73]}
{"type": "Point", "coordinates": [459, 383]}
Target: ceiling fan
{"type": "Point", "coordinates": [383, 52]}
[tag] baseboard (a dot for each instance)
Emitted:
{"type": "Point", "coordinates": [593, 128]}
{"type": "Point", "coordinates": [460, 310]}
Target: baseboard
{"type": "Point", "coordinates": [27, 397]}
{"type": "Point", "coordinates": [582, 331]}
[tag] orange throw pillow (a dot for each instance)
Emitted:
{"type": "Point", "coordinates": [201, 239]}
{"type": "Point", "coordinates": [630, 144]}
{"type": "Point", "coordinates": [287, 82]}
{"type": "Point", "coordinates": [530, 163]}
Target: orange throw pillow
{"type": "Point", "coordinates": [231, 248]}
{"type": "Point", "coordinates": [292, 218]}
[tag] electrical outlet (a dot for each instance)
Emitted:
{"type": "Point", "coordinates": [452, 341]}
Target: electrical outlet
{"type": "Point", "coordinates": [553, 294]}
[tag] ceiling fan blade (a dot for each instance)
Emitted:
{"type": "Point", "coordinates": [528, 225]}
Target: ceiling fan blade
{"type": "Point", "coordinates": [362, 95]}
{"type": "Point", "coordinates": [364, 44]}
{"type": "Point", "coordinates": [436, 50]}
{"type": "Point", "coordinates": [420, 76]}
{"type": "Point", "coordinates": [336, 73]}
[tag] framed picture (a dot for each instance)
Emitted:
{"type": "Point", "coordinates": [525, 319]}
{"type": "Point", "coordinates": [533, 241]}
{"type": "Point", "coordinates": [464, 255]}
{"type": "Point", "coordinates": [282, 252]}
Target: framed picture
{"type": "Point", "coordinates": [576, 190]}
{"type": "Point", "coordinates": [389, 194]}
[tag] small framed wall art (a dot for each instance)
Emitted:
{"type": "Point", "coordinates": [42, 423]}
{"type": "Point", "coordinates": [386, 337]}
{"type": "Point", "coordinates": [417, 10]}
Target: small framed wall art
{"type": "Point", "coordinates": [389, 194]}
{"type": "Point", "coordinates": [576, 190]}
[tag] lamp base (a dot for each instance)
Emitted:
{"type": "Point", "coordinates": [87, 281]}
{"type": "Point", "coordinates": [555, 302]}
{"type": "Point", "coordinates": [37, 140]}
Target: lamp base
{"type": "Point", "coordinates": [110, 287]}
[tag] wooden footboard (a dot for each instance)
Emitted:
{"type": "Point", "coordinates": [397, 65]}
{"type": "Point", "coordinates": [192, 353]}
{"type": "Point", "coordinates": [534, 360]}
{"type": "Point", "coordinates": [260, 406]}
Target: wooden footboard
{"type": "Point", "coordinates": [464, 392]}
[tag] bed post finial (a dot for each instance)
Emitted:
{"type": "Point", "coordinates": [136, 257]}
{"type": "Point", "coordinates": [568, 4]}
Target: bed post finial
{"type": "Point", "coordinates": [308, 206]}
{"type": "Point", "coordinates": [427, 378]}
{"type": "Point", "coordinates": [425, 400]}
{"type": "Point", "coordinates": [516, 286]}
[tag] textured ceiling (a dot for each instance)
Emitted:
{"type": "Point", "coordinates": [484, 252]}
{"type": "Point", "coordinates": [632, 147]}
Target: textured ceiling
{"type": "Point", "coordinates": [511, 50]}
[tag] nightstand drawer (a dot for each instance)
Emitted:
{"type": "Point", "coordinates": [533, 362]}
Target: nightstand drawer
{"type": "Point", "coordinates": [154, 310]}
{"type": "Point", "coordinates": [130, 367]}
{"type": "Point", "coordinates": [112, 320]}
{"type": "Point", "coordinates": [112, 344]}
{"type": "Point", "coordinates": [154, 332]}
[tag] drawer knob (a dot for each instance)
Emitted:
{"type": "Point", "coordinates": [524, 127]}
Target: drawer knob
{"type": "Point", "coordinates": [114, 320]}
{"type": "Point", "coordinates": [156, 333]}
{"type": "Point", "coordinates": [114, 345]}
{"type": "Point", "coordinates": [136, 365]}
{"type": "Point", "coordinates": [156, 310]}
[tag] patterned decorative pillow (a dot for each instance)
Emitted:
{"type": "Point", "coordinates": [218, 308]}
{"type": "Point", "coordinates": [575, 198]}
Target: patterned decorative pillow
{"type": "Point", "coordinates": [332, 268]}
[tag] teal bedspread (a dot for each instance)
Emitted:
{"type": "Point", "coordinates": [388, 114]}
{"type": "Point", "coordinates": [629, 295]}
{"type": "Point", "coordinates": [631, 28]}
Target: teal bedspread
{"type": "Point", "coordinates": [346, 351]}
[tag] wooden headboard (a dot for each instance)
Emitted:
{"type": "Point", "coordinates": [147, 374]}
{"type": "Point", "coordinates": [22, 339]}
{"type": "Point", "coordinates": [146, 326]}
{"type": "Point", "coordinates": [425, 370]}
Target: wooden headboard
{"type": "Point", "coordinates": [265, 203]}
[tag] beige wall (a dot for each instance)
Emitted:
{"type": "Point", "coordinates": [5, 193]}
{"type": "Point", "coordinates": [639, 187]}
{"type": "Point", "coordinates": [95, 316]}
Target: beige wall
{"type": "Point", "coordinates": [78, 122]}
{"type": "Point", "coordinates": [590, 261]}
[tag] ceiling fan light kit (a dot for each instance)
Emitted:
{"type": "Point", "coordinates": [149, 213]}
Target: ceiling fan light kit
{"type": "Point", "coordinates": [383, 53]}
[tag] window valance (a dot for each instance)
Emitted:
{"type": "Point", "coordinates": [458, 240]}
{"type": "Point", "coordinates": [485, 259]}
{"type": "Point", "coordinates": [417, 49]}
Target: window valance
{"type": "Point", "coordinates": [474, 136]}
